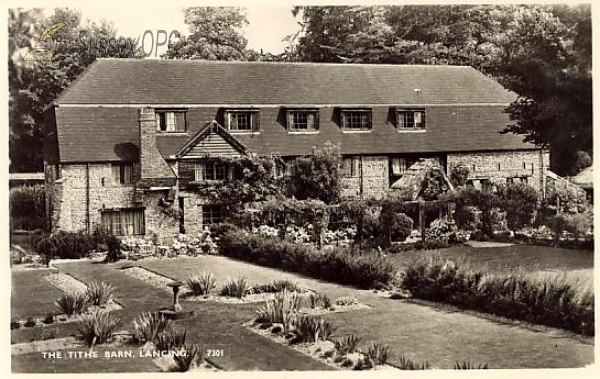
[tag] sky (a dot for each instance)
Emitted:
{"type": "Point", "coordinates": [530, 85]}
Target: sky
{"type": "Point", "coordinates": [268, 25]}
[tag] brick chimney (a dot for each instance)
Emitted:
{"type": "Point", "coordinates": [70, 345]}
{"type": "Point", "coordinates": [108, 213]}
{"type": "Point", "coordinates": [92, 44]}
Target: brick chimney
{"type": "Point", "coordinates": [153, 165]}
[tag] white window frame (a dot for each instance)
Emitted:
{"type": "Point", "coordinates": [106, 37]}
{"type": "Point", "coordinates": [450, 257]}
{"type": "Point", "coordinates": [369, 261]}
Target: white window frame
{"type": "Point", "coordinates": [411, 119]}
{"type": "Point", "coordinates": [170, 121]}
{"type": "Point", "coordinates": [252, 116]}
{"type": "Point", "coordinates": [304, 126]}
{"type": "Point", "coordinates": [348, 115]}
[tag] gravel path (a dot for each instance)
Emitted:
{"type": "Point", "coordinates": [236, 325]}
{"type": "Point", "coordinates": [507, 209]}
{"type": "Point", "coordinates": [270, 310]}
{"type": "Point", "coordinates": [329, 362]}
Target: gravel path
{"type": "Point", "coordinates": [66, 282]}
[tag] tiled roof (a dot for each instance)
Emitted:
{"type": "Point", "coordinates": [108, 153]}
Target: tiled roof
{"type": "Point", "coordinates": [154, 81]}
{"type": "Point", "coordinates": [97, 118]}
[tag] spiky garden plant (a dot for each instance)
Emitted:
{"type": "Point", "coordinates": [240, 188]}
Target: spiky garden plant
{"type": "Point", "coordinates": [149, 324]}
{"type": "Point", "coordinates": [235, 288]}
{"type": "Point", "coordinates": [97, 328]}
{"type": "Point", "coordinates": [282, 310]}
{"type": "Point", "coordinates": [202, 284]}
{"type": "Point", "coordinates": [466, 365]}
{"type": "Point", "coordinates": [72, 303]}
{"type": "Point", "coordinates": [347, 344]}
{"type": "Point", "coordinates": [169, 340]}
{"type": "Point", "coordinates": [378, 354]}
{"type": "Point", "coordinates": [99, 293]}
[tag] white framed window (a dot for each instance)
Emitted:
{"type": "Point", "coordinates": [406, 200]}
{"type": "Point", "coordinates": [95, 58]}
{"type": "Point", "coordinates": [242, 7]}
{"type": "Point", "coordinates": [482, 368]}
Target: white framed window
{"type": "Point", "coordinates": [356, 119]}
{"type": "Point", "coordinates": [410, 119]}
{"type": "Point", "coordinates": [170, 121]}
{"type": "Point", "coordinates": [242, 120]}
{"type": "Point", "coordinates": [123, 173]}
{"type": "Point", "coordinates": [210, 171]}
{"type": "Point", "coordinates": [303, 120]}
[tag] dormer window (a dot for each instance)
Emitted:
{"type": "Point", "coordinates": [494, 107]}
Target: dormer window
{"type": "Point", "coordinates": [410, 119]}
{"type": "Point", "coordinates": [303, 120]}
{"type": "Point", "coordinates": [356, 119]}
{"type": "Point", "coordinates": [242, 120]}
{"type": "Point", "coordinates": [171, 121]}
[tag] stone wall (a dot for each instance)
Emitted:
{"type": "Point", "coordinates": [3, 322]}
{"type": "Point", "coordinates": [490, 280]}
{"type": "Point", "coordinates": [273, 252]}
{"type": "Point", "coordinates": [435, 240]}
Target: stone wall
{"type": "Point", "coordinates": [71, 196]}
{"type": "Point", "coordinates": [160, 225]}
{"type": "Point", "coordinates": [192, 212]}
{"type": "Point", "coordinates": [70, 199]}
{"type": "Point", "coordinates": [529, 165]}
{"type": "Point", "coordinates": [152, 162]}
{"type": "Point", "coordinates": [374, 182]}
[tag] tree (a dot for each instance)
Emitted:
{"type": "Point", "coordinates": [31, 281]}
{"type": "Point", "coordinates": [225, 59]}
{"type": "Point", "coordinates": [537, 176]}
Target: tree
{"type": "Point", "coordinates": [547, 62]}
{"type": "Point", "coordinates": [542, 53]}
{"type": "Point", "coordinates": [317, 176]}
{"type": "Point", "coordinates": [34, 84]}
{"type": "Point", "coordinates": [215, 35]}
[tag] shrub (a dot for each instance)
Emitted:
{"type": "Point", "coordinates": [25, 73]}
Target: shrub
{"type": "Point", "coordinates": [148, 325]}
{"type": "Point", "coordinates": [459, 175]}
{"type": "Point", "coordinates": [48, 319]}
{"type": "Point", "coordinates": [218, 230]}
{"type": "Point", "coordinates": [395, 226]}
{"type": "Point", "coordinates": [378, 354]}
{"type": "Point", "coordinates": [30, 322]}
{"type": "Point", "coordinates": [97, 328]}
{"type": "Point", "coordinates": [466, 365]}
{"type": "Point", "coordinates": [203, 284]}
{"type": "Point", "coordinates": [439, 233]}
{"type": "Point", "coordinates": [407, 364]}
{"type": "Point", "coordinates": [183, 363]}
{"type": "Point", "coordinates": [281, 310]}
{"type": "Point", "coordinates": [317, 176]}
{"type": "Point", "coordinates": [519, 201]}
{"type": "Point", "coordinates": [99, 293]}
{"type": "Point", "coordinates": [167, 341]}
{"type": "Point", "coordinates": [27, 207]}
{"type": "Point", "coordinates": [113, 243]}
{"type": "Point", "coordinates": [71, 303]}
{"type": "Point", "coordinates": [15, 325]}
{"type": "Point", "coordinates": [347, 344]}
{"type": "Point", "coordinates": [402, 227]}
{"type": "Point", "coordinates": [548, 302]}
{"type": "Point", "coordinates": [66, 245]}
{"type": "Point", "coordinates": [334, 265]}
{"type": "Point", "coordinates": [235, 288]}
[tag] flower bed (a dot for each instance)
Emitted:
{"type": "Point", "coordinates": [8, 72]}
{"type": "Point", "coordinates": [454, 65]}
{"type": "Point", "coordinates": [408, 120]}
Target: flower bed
{"type": "Point", "coordinates": [549, 302]}
{"type": "Point", "coordinates": [337, 265]}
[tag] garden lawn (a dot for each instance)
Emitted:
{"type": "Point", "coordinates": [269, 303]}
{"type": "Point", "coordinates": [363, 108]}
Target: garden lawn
{"type": "Point", "coordinates": [215, 326]}
{"type": "Point", "coordinates": [420, 332]}
{"type": "Point", "coordinates": [31, 294]}
{"type": "Point", "coordinates": [505, 259]}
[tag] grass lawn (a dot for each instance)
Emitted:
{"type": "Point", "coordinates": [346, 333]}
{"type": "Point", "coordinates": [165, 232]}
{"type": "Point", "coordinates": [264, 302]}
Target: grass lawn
{"type": "Point", "coordinates": [31, 294]}
{"type": "Point", "coordinates": [504, 259]}
{"type": "Point", "coordinates": [420, 332]}
{"type": "Point", "coordinates": [215, 326]}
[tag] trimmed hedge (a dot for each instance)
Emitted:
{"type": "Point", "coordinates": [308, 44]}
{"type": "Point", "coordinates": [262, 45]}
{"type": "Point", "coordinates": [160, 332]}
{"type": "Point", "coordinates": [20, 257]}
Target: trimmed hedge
{"type": "Point", "coordinates": [27, 207]}
{"type": "Point", "coordinates": [337, 265]}
{"type": "Point", "coordinates": [550, 302]}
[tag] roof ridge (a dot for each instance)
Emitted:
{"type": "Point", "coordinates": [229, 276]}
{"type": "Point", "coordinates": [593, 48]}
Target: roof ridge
{"type": "Point", "coordinates": [206, 61]}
